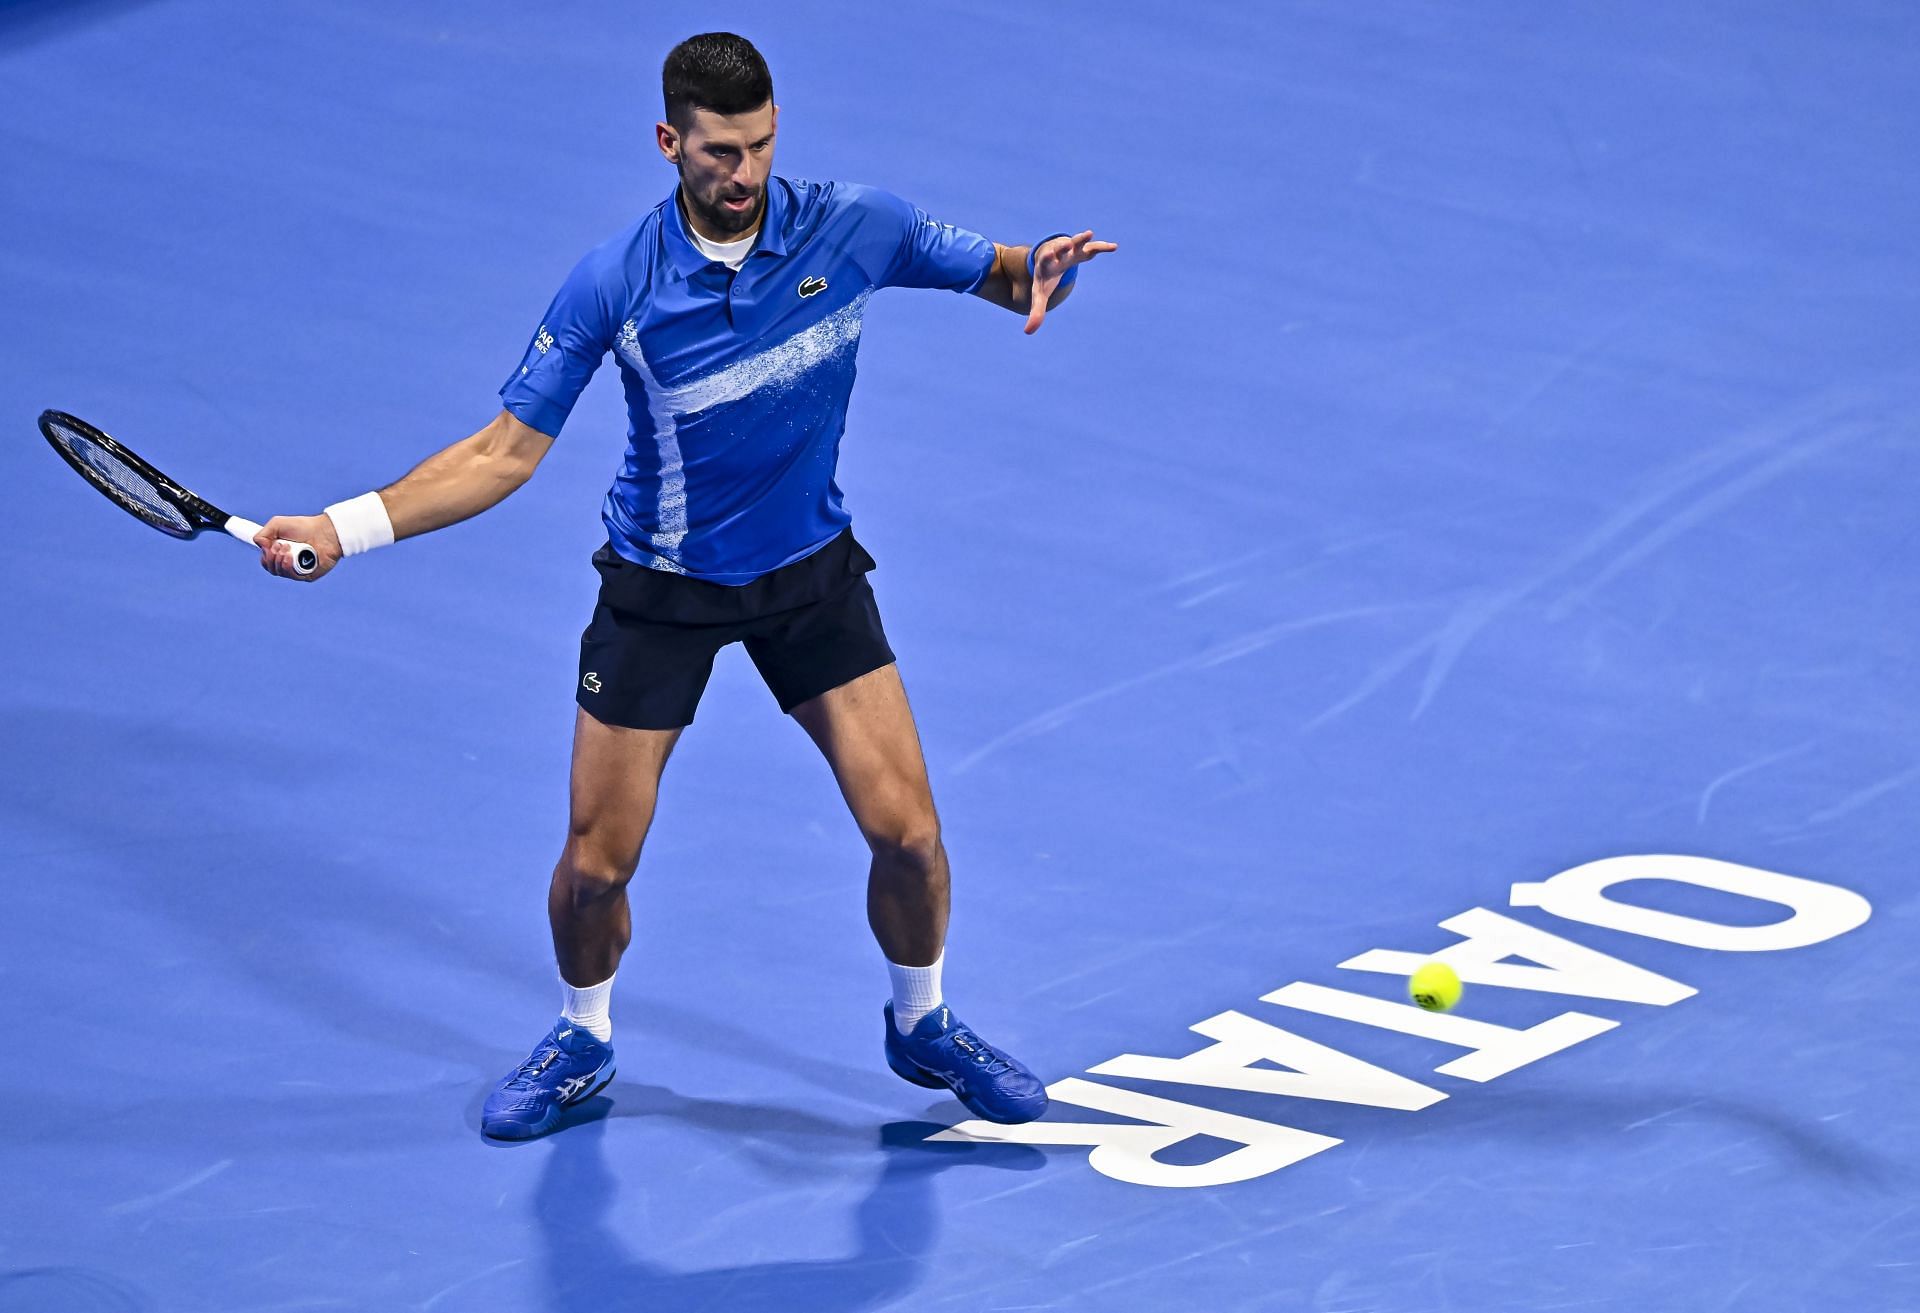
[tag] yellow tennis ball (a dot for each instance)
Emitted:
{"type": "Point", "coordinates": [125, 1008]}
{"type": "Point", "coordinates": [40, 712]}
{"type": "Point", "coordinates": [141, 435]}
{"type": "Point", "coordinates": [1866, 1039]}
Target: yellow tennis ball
{"type": "Point", "coordinates": [1435, 986]}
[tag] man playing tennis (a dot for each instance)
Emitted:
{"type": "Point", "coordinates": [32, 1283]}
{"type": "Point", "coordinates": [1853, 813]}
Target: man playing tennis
{"type": "Point", "coordinates": [734, 309]}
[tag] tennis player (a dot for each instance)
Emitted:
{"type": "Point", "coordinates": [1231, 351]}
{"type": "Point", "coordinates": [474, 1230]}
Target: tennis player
{"type": "Point", "coordinates": [734, 310]}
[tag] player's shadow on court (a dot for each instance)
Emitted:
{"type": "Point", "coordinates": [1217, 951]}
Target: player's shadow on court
{"type": "Point", "coordinates": [895, 1225]}
{"type": "Point", "coordinates": [761, 1121]}
{"type": "Point", "coordinates": [1622, 1120]}
{"type": "Point", "coordinates": [70, 1290]}
{"type": "Point", "coordinates": [782, 1141]}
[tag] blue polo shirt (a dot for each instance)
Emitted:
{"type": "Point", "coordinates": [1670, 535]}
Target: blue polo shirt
{"type": "Point", "coordinates": [737, 383]}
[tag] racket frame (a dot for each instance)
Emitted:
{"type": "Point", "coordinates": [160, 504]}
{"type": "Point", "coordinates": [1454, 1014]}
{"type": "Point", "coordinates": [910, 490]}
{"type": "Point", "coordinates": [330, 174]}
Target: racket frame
{"type": "Point", "coordinates": [198, 511]}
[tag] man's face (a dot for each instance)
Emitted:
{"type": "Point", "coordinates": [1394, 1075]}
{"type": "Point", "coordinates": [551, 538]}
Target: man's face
{"type": "Point", "coordinates": [724, 161]}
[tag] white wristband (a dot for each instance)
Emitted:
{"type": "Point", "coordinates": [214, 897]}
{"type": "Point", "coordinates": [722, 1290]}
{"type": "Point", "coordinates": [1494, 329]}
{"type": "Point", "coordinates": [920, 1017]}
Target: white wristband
{"type": "Point", "coordinates": [361, 524]}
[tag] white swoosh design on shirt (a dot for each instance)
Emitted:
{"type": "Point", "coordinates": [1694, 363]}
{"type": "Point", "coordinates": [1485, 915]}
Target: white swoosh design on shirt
{"type": "Point", "coordinates": [778, 366]}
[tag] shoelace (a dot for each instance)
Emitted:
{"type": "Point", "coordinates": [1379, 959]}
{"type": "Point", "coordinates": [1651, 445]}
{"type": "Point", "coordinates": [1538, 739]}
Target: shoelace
{"type": "Point", "coordinates": [979, 1052]}
{"type": "Point", "coordinates": [532, 1067]}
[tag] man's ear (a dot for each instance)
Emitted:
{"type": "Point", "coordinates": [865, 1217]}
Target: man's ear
{"type": "Point", "coordinates": [668, 140]}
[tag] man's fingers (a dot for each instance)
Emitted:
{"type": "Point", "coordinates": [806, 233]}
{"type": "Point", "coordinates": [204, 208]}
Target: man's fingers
{"type": "Point", "coordinates": [1085, 248]}
{"type": "Point", "coordinates": [1038, 311]}
{"type": "Point", "coordinates": [276, 557]}
{"type": "Point", "coordinates": [268, 541]}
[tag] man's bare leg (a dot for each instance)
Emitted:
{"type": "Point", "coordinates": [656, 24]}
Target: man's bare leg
{"type": "Point", "coordinates": [616, 777]}
{"type": "Point", "coordinates": [615, 783]}
{"type": "Point", "coordinates": [866, 731]}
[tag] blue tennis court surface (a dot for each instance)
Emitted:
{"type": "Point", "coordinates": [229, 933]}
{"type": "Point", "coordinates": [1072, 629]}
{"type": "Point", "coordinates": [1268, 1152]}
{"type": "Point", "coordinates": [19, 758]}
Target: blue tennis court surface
{"type": "Point", "coordinates": [1492, 451]}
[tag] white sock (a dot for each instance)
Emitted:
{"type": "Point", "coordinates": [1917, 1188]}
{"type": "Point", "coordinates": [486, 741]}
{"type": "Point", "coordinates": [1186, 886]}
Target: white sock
{"type": "Point", "coordinates": [916, 992]}
{"type": "Point", "coordinates": [587, 1008]}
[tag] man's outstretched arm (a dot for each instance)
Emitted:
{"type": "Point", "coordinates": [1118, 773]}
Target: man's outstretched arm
{"type": "Point", "coordinates": [1007, 283]}
{"type": "Point", "coordinates": [453, 484]}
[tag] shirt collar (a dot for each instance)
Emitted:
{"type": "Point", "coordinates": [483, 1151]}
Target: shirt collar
{"type": "Point", "coordinates": [688, 259]}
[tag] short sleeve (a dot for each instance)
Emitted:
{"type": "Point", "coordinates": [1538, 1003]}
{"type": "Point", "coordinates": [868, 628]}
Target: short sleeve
{"type": "Point", "coordinates": [569, 345]}
{"type": "Point", "coordinates": [928, 253]}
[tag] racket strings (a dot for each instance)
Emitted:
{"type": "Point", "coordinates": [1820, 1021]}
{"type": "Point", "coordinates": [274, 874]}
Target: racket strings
{"type": "Point", "coordinates": [129, 488]}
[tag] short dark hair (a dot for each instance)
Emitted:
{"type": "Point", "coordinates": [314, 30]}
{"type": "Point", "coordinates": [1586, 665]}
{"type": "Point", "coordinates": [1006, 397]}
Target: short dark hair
{"type": "Point", "coordinates": [717, 71]}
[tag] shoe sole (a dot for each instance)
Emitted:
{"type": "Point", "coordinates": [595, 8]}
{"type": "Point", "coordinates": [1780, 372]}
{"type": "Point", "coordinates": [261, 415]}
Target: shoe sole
{"type": "Point", "coordinates": [918, 1075]}
{"type": "Point", "coordinates": [534, 1130]}
{"type": "Point", "coordinates": [915, 1073]}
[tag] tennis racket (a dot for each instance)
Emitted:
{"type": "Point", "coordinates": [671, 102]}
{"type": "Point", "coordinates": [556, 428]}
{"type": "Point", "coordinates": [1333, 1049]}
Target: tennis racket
{"type": "Point", "coordinates": [144, 492]}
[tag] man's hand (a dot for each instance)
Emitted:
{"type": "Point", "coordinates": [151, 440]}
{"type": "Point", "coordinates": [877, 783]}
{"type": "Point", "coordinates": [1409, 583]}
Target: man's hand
{"type": "Point", "coordinates": [1051, 260]}
{"type": "Point", "coordinates": [314, 530]}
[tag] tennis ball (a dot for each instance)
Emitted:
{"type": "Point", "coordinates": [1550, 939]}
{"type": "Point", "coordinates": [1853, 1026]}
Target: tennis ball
{"type": "Point", "coordinates": [1435, 987]}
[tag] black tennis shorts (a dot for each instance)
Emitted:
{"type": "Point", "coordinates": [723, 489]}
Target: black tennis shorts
{"type": "Point", "coordinates": [809, 626]}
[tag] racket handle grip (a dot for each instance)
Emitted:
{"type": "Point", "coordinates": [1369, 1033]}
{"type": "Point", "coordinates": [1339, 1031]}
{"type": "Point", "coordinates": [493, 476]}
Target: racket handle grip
{"type": "Point", "coordinates": [304, 557]}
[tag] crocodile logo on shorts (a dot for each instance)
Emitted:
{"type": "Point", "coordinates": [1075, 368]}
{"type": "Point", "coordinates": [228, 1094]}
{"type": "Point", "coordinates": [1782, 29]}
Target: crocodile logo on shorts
{"type": "Point", "coordinates": [812, 286]}
{"type": "Point", "coordinates": [591, 681]}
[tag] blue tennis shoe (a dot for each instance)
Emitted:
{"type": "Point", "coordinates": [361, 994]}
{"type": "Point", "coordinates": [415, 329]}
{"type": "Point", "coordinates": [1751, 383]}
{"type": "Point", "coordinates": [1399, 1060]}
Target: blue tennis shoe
{"type": "Point", "coordinates": [566, 1067]}
{"type": "Point", "coordinates": [940, 1053]}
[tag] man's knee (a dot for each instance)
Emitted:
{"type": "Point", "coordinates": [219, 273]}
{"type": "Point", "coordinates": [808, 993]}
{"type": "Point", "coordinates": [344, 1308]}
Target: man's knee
{"type": "Point", "coordinates": [597, 866]}
{"type": "Point", "coordinates": [909, 844]}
